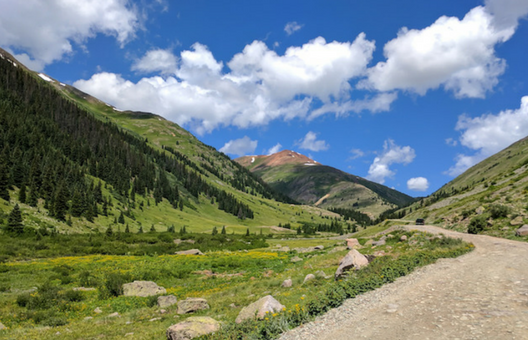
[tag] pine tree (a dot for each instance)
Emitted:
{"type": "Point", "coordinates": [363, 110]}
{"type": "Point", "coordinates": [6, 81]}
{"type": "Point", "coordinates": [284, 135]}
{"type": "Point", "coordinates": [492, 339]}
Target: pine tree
{"type": "Point", "coordinates": [127, 229]}
{"type": "Point", "coordinates": [77, 204]}
{"type": "Point", "coordinates": [4, 181]}
{"type": "Point", "coordinates": [215, 231]}
{"type": "Point", "coordinates": [152, 229]}
{"type": "Point", "coordinates": [22, 193]}
{"type": "Point", "coordinates": [121, 218]}
{"type": "Point", "coordinates": [247, 232]}
{"type": "Point", "coordinates": [140, 231]}
{"type": "Point", "coordinates": [223, 230]}
{"type": "Point", "coordinates": [14, 221]}
{"type": "Point", "coordinates": [109, 231]}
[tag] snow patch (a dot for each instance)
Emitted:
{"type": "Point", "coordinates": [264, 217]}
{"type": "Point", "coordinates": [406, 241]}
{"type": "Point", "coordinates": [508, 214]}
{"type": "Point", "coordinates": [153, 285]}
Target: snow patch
{"type": "Point", "coordinates": [2, 56]}
{"type": "Point", "coordinates": [45, 77]}
{"type": "Point", "coordinates": [15, 65]}
{"type": "Point", "coordinates": [117, 110]}
{"type": "Point", "coordinates": [252, 159]}
{"type": "Point", "coordinates": [62, 84]}
{"type": "Point", "coordinates": [310, 164]}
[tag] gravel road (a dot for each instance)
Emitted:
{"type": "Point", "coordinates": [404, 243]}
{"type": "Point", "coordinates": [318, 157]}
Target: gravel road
{"type": "Point", "coordinates": [480, 295]}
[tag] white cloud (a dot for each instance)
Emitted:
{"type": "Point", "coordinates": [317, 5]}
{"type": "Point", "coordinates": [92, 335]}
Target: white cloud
{"type": "Point", "coordinates": [451, 142]}
{"type": "Point", "coordinates": [240, 147]}
{"type": "Point", "coordinates": [158, 60]}
{"type": "Point", "coordinates": [380, 102]}
{"type": "Point", "coordinates": [274, 149]}
{"type": "Point", "coordinates": [292, 27]}
{"type": "Point", "coordinates": [456, 54]}
{"type": "Point", "coordinates": [392, 154]}
{"type": "Point", "coordinates": [507, 13]}
{"type": "Point", "coordinates": [310, 142]}
{"type": "Point", "coordinates": [418, 184]}
{"type": "Point", "coordinates": [261, 86]}
{"type": "Point", "coordinates": [357, 153]}
{"type": "Point", "coordinates": [489, 134]}
{"type": "Point", "coordinates": [47, 28]}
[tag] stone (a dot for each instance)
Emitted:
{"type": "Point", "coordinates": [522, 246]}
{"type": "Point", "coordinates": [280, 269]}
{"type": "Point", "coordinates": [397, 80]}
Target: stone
{"type": "Point", "coordinates": [337, 249]}
{"type": "Point", "coordinates": [287, 283]}
{"type": "Point", "coordinates": [83, 289]}
{"type": "Point", "coordinates": [166, 301]}
{"type": "Point", "coordinates": [191, 305]}
{"type": "Point", "coordinates": [295, 259]}
{"type": "Point", "coordinates": [390, 236]}
{"type": "Point", "coordinates": [98, 310]}
{"type": "Point", "coordinates": [379, 243]}
{"type": "Point", "coordinates": [368, 243]}
{"type": "Point", "coordinates": [192, 327]}
{"type": "Point", "coordinates": [259, 308]}
{"type": "Point", "coordinates": [114, 315]}
{"type": "Point", "coordinates": [309, 277]}
{"type": "Point", "coordinates": [320, 247]}
{"type": "Point", "coordinates": [479, 210]}
{"type": "Point", "coordinates": [88, 318]}
{"type": "Point", "coordinates": [189, 252]}
{"type": "Point", "coordinates": [320, 273]}
{"type": "Point", "coordinates": [378, 254]}
{"type": "Point", "coordinates": [403, 238]}
{"type": "Point", "coordinates": [2, 327]}
{"type": "Point", "coordinates": [283, 249]}
{"type": "Point", "coordinates": [522, 231]}
{"type": "Point", "coordinates": [517, 221]}
{"type": "Point", "coordinates": [177, 241]}
{"type": "Point", "coordinates": [154, 319]}
{"type": "Point", "coordinates": [353, 260]}
{"type": "Point", "coordinates": [162, 311]}
{"type": "Point", "coordinates": [142, 289]}
{"type": "Point", "coordinates": [352, 243]}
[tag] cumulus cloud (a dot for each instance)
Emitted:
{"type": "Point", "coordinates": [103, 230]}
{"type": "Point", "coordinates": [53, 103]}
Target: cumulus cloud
{"type": "Point", "coordinates": [458, 55]}
{"type": "Point", "coordinates": [356, 153]}
{"type": "Point", "coordinates": [392, 154]}
{"type": "Point", "coordinates": [260, 86]}
{"type": "Point", "coordinates": [158, 60]}
{"type": "Point", "coordinates": [274, 149]}
{"type": "Point", "coordinates": [46, 29]}
{"type": "Point", "coordinates": [310, 142]}
{"type": "Point", "coordinates": [489, 134]}
{"type": "Point", "coordinates": [378, 103]}
{"type": "Point", "coordinates": [292, 27]}
{"type": "Point", "coordinates": [240, 147]}
{"type": "Point", "coordinates": [418, 184]}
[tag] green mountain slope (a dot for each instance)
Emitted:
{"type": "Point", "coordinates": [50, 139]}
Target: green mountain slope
{"type": "Point", "coordinates": [491, 195]}
{"type": "Point", "coordinates": [309, 182]}
{"type": "Point", "coordinates": [82, 166]}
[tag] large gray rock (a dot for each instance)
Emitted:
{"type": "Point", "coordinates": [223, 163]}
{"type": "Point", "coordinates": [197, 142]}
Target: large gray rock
{"type": "Point", "coordinates": [353, 260]}
{"type": "Point", "coordinates": [259, 308]}
{"type": "Point", "coordinates": [167, 301]}
{"type": "Point", "coordinates": [191, 305]}
{"type": "Point", "coordinates": [143, 289]}
{"type": "Point", "coordinates": [309, 277]}
{"type": "Point", "coordinates": [295, 259]}
{"type": "Point", "coordinates": [192, 327]}
{"type": "Point", "coordinates": [517, 221]}
{"type": "Point", "coordinates": [287, 283]}
{"type": "Point", "coordinates": [189, 252]}
{"type": "Point", "coordinates": [352, 243]}
{"type": "Point", "coordinates": [522, 231]}
{"type": "Point", "coordinates": [379, 243]}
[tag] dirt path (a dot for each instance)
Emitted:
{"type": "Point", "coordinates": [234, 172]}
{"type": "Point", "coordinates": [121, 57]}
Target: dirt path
{"type": "Point", "coordinates": [481, 295]}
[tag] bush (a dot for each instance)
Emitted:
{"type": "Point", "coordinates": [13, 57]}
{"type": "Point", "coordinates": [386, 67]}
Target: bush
{"type": "Point", "coordinates": [498, 211]}
{"type": "Point", "coordinates": [113, 285]}
{"type": "Point", "coordinates": [477, 224]}
{"type": "Point", "coordinates": [86, 279]}
{"type": "Point", "coordinates": [73, 296]}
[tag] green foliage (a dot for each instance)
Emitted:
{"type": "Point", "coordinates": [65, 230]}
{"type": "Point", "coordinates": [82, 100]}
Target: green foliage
{"type": "Point", "coordinates": [498, 211]}
{"type": "Point", "coordinates": [477, 224]}
{"type": "Point", "coordinates": [14, 222]}
{"type": "Point", "coordinates": [113, 285]}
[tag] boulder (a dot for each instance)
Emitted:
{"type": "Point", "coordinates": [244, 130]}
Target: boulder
{"type": "Point", "coordinates": [354, 259]}
{"type": "Point", "coordinates": [166, 301]}
{"type": "Point", "coordinates": [368, 243]}
{"type": "Point", "coordinates": [259, 308]}
{"type": "Point", "coordinates": [192, 327]}
{"type": "Point", "coordinates": [114, 315]}
{"type": "Point", "coordinates": [309, 277]}
{"type": "Point", "coordinates": [295, 259]}
{"type": "Point", "coordinates": [283, 249]}
{"type": "Point", "coordinates": [83, 289]}
{"type": "Point", "coordinates": [379, 243]}
{"type": "Point", "coordinates": [403, 238]}
{"type": "Point", "coordinates": [522, 231]}
{"type": "Point", "coordinates": [480, 210]}
{"type": "Point", "coordinates": [189, 252]}
{"type": "Point", "coordinates": [517, 221]}
{"type": "Point", "coordinates": [287, 283]}
{"type": "Point", "coordinates": [191, 305]}
{"type": "Point", "coordinates": [320, 247]}
{"type": "Point", "coordinates": [320, 273]}
{"type": "Point", "coordinates": [352, 243]}
{"type": "Point", "coordinates": [98, 310]}
{"type": "Point", "coordinates": [142, 289]}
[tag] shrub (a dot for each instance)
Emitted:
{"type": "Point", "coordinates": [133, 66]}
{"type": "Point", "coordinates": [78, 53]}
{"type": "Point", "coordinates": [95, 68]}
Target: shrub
{"type": "Point", "coordinates": [477, 224]}
{"type": "Point", "coordinates": [113, 285]}
{"type": "Point", "coordinates": [498, 211]}
{"type": "Point", "coordinates": [73, 296]}
{"type": "Point", "coordinates": [86, 279]}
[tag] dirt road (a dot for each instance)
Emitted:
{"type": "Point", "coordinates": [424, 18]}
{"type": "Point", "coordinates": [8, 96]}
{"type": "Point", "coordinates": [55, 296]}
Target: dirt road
{"type": "Point", "coordinates": [481, 295]}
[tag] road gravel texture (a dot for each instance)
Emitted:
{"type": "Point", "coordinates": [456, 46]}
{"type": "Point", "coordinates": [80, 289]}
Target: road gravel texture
{"type": "Point", "coordinates": [480, 295]}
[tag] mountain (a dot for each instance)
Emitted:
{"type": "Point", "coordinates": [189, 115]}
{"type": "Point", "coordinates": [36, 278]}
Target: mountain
{"type": "Point", "coordinates": [310, 182]}
{"type": "Point", "coordinates": [490, 197]}
{"type": "Point", "coordinates": [76, 164]}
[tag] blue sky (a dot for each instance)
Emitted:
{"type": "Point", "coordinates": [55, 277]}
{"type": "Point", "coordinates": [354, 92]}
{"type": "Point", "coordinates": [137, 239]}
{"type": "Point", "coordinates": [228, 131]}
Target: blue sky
{"type": "Point", "coordinates": [405, 93]}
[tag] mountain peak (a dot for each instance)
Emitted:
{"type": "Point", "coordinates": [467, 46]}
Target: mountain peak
{"type": "Point", "coordinates": [276, 159]}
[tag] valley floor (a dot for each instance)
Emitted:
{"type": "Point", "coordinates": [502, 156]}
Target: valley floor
{"type": "Point", "coordinates": [481, 295]}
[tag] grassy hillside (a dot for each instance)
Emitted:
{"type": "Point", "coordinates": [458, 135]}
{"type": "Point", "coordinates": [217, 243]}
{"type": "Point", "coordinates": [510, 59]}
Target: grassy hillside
{"type": "Point", "coordinates": [312, 183]}
{"type": "Point", "coordinates": [489, 198]}
{"type": "Point", "coordinates": [65, 136]}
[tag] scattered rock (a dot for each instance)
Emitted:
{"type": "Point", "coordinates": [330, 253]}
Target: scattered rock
{"type": "Point", "coordinates": [2, 327]}
{"type": "Point", "coordinates": [390, 236]}
{"type": "Point", "coordinates": [283, 249]}
{"type": "Point", "coordinates": [83, 289]}
{"type": "Point", "coordinates": [114, 315]}
{"type": "Point", "coordinates": [381, 242]}
{"type": "Point", "coordinates": [352, 243]}
{"type": "Point", "coordinates": [368, 243]}
{"type": "Point", "coordinates": [479, 210]}
{"type": "Point", "coordinates": [295, 259]}
{"type": "Point", "coordinates": [232, 305]}
{"type": "Point", "coordinates": [403, 238]}
{"type": "Point", "coordinates": [287, 283]}
{"type": "Point", "coordinates": [142, 289]}
{"type": "Point", "coordinates": [191, 305]}
{"type": "Point", "coordinates": [517, 221]}
{"type": "Point", "coordinates": [192, 327]}
{"type": "Point", "coordinates": [162, 311]}
{"type": "Point", "coordinates": [522, 231]}
{"type": "Point", "coordinates": [379, 253]}
{"type": "Point", "coordinates": [320, 273]}
{"type": "Point", "coordinates": [189, 252]}
{"type": "Point", "coordinates": [177, 241]}
{"type": "Point", "coordinates": [88, 318]}
{"type": "Point", "coordinates": [320, 247]}
{"type": "Point", "coordinates": [98, 310]}
{"type": "Point", "coordinates": [260, 307]}
{"type": "Point", "coordinates": [154, 319]}
{"type": "Point", "coordinates": [166, 301]}
{"type": "Point", "coordinates": [354, 259]}
{"type": "Point", "coordinates": [337, 249]}
{"type": "Point", "coordinates": [308, 249]}
{"type": "Point", "coordinates": [309, 277]}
